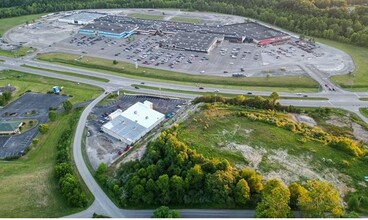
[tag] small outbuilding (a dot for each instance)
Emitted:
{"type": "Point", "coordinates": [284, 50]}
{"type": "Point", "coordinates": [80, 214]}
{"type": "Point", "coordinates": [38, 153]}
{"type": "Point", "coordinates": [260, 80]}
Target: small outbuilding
{"type": "Point", "coordinates": [9, 128]}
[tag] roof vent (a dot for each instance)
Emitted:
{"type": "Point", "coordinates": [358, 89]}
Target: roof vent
{"type": "Point", "coordinates": [135, 112]}
{"type": "Point", "coordinates": [146, 117]}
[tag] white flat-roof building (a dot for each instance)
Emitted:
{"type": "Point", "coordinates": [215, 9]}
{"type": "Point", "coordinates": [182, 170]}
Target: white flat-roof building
{"type": "Point", "coordinates": [132, 124]}
{"type": "Point", "coordinates": [83, 17]}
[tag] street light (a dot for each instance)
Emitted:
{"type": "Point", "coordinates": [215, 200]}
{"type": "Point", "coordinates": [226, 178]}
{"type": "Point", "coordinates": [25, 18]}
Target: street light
{"type": "Point", "coordinates": [216, 91]}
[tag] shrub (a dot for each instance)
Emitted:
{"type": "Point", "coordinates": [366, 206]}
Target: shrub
{"type": "Point", "coordinates": [44, 128]}
{"type": "Point", "coordinates": [52, 116]}
{"type": "Point", "coordinates": [35, 141]}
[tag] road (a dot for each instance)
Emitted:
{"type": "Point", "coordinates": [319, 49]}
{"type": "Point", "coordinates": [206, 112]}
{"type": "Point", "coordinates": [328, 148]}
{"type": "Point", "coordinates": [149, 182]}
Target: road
{"type": "Point", "coordinates": [102, 204]}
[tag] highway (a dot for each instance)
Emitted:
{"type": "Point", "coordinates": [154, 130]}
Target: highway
{"type": "Point", "coordinates": [102, 204]}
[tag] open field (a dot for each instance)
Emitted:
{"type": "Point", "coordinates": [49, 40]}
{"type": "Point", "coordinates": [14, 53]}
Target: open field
{"type": "Point", "coordinates": [290, 83]}
{"type": "Point", "coordinates": [28, 187]}
{"type": "Point", "coordinates": [358, 80]}
{"type": "Point", "coordinates": [219, 132]}
{"type": "Point", "coordinates": [146, 16]}
{"type": "Point", "coordinates": [17, 53]}
{"type": "Point", "coordinates": [27, 81]}
{"type": "Point", "coordinates": [186, 20]}
{"type": "Point", "coordinates": [69, 73]}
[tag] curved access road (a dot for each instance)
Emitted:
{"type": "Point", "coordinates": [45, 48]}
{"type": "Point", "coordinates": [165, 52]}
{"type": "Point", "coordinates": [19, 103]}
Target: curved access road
{"type": "Point", "coordinates": [102, 204]}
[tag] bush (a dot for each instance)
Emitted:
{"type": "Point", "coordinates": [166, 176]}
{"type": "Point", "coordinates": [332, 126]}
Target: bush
{"type": "Point", "coordinates": [67, 105]}
{"type": "Point", "coordinates": [44, 128]}
{"type": "Point", "coordinates": [165, 212]}
{"type": "Point", "coordinates": [345, 163]}
{"type": "Point", "coordinates": [52, 116]}
{"type": "Point", "coordinates": [35, 141]}
{"type": "Point", "coordinates": [62, 169]}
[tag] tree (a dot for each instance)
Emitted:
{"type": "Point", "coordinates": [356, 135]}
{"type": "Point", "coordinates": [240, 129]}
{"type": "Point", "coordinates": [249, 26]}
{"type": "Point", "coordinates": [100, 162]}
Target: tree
{"type": "Point", "coordinates": [115, 62]}
{"type": "Point", "coordinates": [101, 173]}
{"type": "Point", "coordinates": [163, 186]}
{"type": "Point", "coordinates": [321, 198]}
{"type": "Point", "coordinates": [253, 179]}
{"type": "Point", "coordinates": [275, 201]}
{"type": "Point", "coordinates": [67, 105]}
{"type": "Point", "coordinates": [165, 212]}
{"type": "Point", "coordinates": [242, 192]}
{"type": "Point", "coordinates": [62, 169]}
{"type": "Point", "coordinates": [274, 96]}
{"type": "Point", "coordinates": [296, 191]}
{"type": "Point", "coordinates": [138, 194]}
{"type": "Point", "coordinates": [52, 116]}
{"type": "Point", "coordinates": [177, 189]}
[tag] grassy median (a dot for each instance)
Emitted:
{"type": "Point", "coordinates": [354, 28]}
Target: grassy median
{"type": "Point", "coordinates": [297, 83]}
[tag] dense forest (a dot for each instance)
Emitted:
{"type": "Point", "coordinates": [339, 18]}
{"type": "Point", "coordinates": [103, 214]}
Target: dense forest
{"type": "Point", "coordinates": [171, 173]}
{"type": "Point", "coordinates": [341, 20]}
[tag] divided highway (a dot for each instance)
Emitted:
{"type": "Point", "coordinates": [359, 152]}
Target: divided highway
{"type": "Point", "coordinates": [102, 204]}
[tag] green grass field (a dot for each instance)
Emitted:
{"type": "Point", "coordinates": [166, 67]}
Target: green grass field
{"type": "Point", "coordinates": [69, 73]}
{"type": "Point", "coordinates": [212, 131]}
{"type": "Point", "coordinates": [146, 16]}
{"type": "Point", "coordinates": [364, 112]}
{"type": "Point", "coordinates": [186, 20]}
{"type": "Point", "coordinates": [17, 53]}
{"type": "Point", "coordinates": [28, 187]}
{"type": "Point", "coordinates": [358, 81]}
{"type": "Point", "coordinates": [27, 81]}
{"type": "Point", "coordinates": [8, 23]}
{"type": "Point", "coordinates": [291, 84]}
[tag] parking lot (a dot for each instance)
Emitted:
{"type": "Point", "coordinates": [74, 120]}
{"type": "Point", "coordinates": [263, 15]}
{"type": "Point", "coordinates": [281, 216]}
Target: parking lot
{"type": "Point", "coordinates": [39, 104]}
{"type": "Point", "coordinates": [226, 59]}
{"type": "Point", "coordinates": [101, 147]}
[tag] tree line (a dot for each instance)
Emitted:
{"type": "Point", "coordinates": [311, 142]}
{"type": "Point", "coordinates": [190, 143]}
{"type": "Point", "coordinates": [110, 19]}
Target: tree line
{"type": "Point", "coordinates": [68, 182]}
{"type": "Point", "coordinates": [170, 173]}
{"type": "Point", "coordinates": [258, 102]}
{"type": "Point", "coordinates": [331, 19]}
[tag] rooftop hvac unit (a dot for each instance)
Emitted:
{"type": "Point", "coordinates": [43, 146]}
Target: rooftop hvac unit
{"type": "Point", "coordinates": [135, 112]}
{"type": "Point", "coordinates": [146, 117]}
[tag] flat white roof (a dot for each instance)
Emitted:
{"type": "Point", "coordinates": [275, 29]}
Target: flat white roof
{"type": "Point", "coordinates": [142, 114]}
{"type": "Point", "coordinates": [134, 122]}
{"type": "Point", "coordinates": [83, 16]}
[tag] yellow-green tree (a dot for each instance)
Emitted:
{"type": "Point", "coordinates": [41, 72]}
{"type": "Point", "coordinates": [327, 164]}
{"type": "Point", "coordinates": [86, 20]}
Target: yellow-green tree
{"type": "Point", "coordinates": [296, 191]}
{"type": "Point", "coordinates": [274, 201]}
{"type": "Point", "coordinates": [242, 192]}
{"type": "Point", "coordinates": [321, 200]}
{"type": "Point", "coordinates": [253, 179]}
